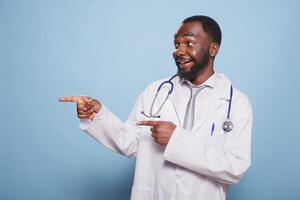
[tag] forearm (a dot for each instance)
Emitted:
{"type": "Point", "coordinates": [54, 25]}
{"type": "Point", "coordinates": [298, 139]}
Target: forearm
{"type": "Point", "coordinates": [109, 130]}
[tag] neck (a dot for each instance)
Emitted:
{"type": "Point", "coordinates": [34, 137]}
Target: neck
{"type": "Point", "coordinates": [203, 76]}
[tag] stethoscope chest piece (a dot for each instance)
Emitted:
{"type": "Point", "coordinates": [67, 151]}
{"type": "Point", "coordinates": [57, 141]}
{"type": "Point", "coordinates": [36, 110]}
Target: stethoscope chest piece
{"type": "Point", "coordinates": [227, 126]}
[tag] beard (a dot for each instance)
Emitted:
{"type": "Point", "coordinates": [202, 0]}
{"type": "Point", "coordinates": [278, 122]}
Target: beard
{"type": "Point", "coordinates": [195, 69]}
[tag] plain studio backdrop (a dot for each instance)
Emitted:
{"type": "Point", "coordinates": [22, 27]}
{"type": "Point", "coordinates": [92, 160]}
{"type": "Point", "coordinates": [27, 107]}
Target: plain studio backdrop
{"type": "Point", "coordinates": [111, 50]}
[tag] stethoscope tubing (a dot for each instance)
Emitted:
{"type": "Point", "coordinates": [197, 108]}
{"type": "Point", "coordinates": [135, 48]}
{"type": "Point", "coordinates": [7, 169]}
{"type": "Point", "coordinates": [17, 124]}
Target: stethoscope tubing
{"type": "Point", "coordinates": [229, 104]}
{"type": "Point", "coordinates": [158, 89]}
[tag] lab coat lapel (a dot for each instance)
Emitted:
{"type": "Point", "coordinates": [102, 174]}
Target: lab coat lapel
{"type": "Point", "coordinates": [213, 105]}
{"type": "Point", "coordinates": [216, 101]}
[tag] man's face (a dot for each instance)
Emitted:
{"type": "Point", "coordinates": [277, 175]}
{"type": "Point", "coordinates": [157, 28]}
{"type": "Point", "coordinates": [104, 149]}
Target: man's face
{"type": "Point", "coordinates": [191, 50]}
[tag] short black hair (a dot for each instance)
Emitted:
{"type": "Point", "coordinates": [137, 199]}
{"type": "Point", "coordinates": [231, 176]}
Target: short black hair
{"type": "Point", "coordinates": [209, 26]}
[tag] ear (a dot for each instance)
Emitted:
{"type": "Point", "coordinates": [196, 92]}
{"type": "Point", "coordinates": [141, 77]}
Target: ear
{"type": "Point", "coordinates": [214, 49]}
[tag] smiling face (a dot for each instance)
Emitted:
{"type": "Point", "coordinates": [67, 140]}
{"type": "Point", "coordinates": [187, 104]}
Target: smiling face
{"type": "Point", "coordinates": [193, 50]}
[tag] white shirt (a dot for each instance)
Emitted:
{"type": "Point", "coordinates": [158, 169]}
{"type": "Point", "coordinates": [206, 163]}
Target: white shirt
{"type": "Point", "coordinates": [198, 164]}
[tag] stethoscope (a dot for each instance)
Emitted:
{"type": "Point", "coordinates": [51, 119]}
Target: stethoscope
{"type": "Point", "coordinates": [227, 125]}
{"type": "Point", "coordinates": [156, 115]}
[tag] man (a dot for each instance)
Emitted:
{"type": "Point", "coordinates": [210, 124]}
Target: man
{"type": "Point", "coordinates": [193, 139]}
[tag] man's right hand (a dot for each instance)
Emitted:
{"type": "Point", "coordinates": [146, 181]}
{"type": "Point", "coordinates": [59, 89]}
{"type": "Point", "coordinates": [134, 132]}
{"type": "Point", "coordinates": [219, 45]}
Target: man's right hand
{"type": "Point", "coordinates": [87, 107]}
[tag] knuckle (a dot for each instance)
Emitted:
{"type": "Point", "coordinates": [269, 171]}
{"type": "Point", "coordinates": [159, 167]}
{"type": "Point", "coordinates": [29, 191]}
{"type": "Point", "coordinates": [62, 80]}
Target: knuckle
{"type": "Point", "coordinates": [82, 116]}
{"type": "Point", "coordinates": [80, 111]}
{"type": "Point", "coordinates": [80, 106]}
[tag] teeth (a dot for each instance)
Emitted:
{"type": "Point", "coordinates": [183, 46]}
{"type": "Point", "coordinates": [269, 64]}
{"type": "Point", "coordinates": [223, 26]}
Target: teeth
{"type": "Point", "coordinates": [183, 62]}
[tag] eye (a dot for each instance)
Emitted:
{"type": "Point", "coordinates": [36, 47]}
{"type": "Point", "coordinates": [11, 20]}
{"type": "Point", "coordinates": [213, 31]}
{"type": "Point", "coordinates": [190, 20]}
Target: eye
{"type": "Point", "coordinates": [176, 45]}
{"type": "Point", "coordinates": [190, 44]}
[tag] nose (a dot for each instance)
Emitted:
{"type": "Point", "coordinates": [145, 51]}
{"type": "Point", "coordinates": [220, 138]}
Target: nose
{"type": "Point", "coordinates": [180, 51]}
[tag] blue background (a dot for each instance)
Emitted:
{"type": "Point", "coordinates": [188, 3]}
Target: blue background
{"type": "Point", "coordinates": [111, 50]}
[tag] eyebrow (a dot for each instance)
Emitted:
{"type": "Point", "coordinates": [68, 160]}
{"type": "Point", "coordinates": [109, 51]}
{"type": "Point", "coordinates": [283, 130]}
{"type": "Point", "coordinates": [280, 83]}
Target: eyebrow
{"type": "Point", "coordinates": [186, 34]}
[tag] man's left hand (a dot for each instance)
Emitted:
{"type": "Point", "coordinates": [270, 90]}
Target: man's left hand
{"type": "Point", "coordinates": [161, 130]}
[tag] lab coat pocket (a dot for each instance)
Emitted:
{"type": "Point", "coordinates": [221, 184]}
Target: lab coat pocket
{"type": "Point", "coordinates": [217, 135]}
{"type": "Point", "coordinates": [145, 193]}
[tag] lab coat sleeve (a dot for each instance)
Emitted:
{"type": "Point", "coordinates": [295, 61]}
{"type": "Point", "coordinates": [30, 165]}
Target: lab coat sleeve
{"type": "Point", "coordinates": [108, 129]}
{"type": "Point", "coordinates": [224, 163]}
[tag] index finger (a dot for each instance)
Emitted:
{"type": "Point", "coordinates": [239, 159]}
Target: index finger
{"type": "Point", "coordinates": [75, 99]}
{"type": "Point", "coordinates": [149, 123]}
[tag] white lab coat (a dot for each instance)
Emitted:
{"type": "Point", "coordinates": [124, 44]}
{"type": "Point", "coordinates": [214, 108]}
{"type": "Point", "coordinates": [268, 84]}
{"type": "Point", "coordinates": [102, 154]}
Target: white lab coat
{"type": "Point", "coordinates": [196, 164]}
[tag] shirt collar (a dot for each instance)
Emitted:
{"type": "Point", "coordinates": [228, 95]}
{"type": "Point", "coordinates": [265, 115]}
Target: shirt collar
{"type": "Point", "coordinates": [210, 82]}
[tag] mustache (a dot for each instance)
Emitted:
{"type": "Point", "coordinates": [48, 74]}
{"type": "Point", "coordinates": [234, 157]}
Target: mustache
{"type": "Point", "coordinates": [195, 69]}
{"type": "Point", "coordinates": [180, 59]}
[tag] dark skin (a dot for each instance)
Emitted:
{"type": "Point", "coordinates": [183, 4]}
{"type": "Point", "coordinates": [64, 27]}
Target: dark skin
{"type": "Point", "coordinates": [191, 44]}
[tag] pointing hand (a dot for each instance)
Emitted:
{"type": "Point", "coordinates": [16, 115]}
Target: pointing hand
{"type": "Point", "coordinates": [87, 107]}
{"type": "Point", "coordinates": [161, 130]}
